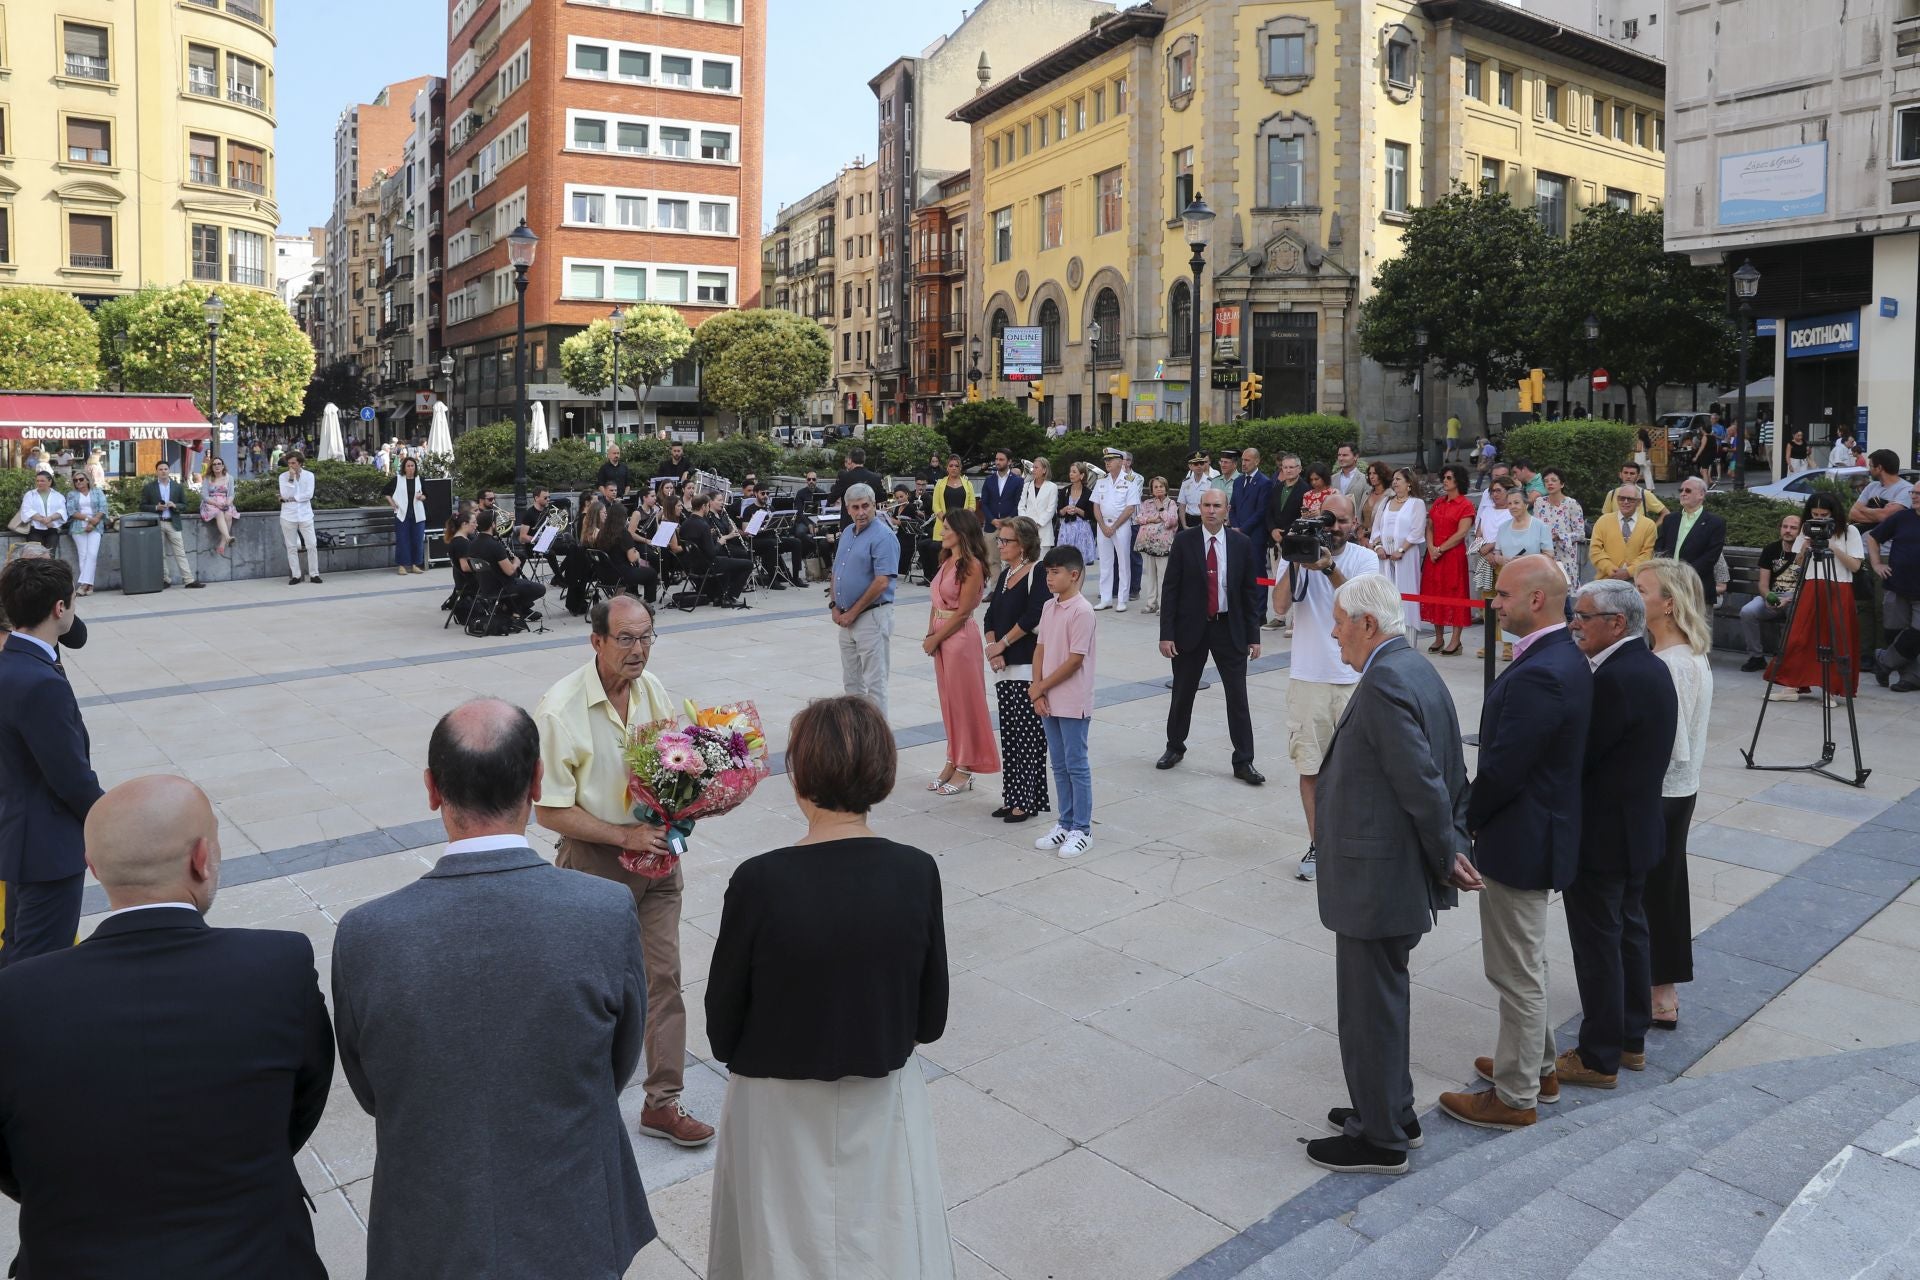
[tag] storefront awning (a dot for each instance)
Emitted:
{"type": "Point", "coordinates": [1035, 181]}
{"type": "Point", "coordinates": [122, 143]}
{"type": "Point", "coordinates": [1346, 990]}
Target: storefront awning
{"type": "Point", "coordinates": [75, 415]}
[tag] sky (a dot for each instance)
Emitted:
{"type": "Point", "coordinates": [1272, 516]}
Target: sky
{"type": "Point", "coordinates": [820, 55]}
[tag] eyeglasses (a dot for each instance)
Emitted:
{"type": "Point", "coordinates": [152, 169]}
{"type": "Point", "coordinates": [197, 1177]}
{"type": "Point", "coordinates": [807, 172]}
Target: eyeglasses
{"type": "Point", "coordinates": [626, 640]}
{"type": "Point", "coordinates": [1590, 615]}
{"type": "Point", "coordinates": [1005, 538]}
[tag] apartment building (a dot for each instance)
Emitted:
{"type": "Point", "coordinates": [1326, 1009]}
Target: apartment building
{"type": "Point", "coordinates": [126, 162]}
{"type": "Point", "coordinates": [627, 135]}
{"type": "Point", "coordinates": [939, 324]}
{"type": "Point", "coordinates": [411, 248]}
{"type": "Point", "coordinates": [797, 274]}
{"type": "Point", "coordinates": [853, 368]}
{"type": "Point", "coordinates": [368, 141]}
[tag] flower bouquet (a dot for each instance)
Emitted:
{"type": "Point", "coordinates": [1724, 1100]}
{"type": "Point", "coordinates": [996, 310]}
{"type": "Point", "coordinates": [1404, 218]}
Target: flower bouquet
{"type": "Point", "coordinates": [677, 773]}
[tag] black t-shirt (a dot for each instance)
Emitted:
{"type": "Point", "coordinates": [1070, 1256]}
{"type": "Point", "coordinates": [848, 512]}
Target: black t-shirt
{"type": "Point", "coordinates": [1899, 539]}
{"type": "Point", "coordinates": [696, 535]}
{"type": "Point", "coordinates": [848, 479]}
{"type": "Point", "coordinates": [488, 550]}
{"type": "Point", "coordinates": [532, 517]}
{"type": "Point", "coordinates": [459, 549]}
{"type": "Point", "coordinates": [1798, 449]}
{"type": "Point", "coordinates": [616, 472]}
{"type": "Point", "coordinates": [1776, 558]}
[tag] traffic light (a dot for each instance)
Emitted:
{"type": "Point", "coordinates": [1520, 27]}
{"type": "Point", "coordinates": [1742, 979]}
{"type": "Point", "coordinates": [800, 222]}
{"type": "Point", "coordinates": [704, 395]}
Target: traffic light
{"type": "Point", "coordinates": [973, 393]}
{"type": "Point", "coordinates": [1526, 395]}
{"type": "Point", "coordinates": [1539, 378]}
{"type": "Point", "coordinates": [1119, 385]}
{"type": "Point", "coordinates": [1036, 391]}
{"type": "Point", "coordinates": [1256, 387]}
{"type": "Point", "coordinates": [1246, 394]}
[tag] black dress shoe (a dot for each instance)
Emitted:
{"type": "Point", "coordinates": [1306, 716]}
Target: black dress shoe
{"type": "Point", "coordinates": [1355, 1155]}
{"type": "Point", "coordinates": [1249, 775]}
{"type": "Point", "coordinates": [195, 585]}
{"type": "Point", "coordinates": [1019, 817]}
{"type": "Point", "coordinates": [1754, 664]}
{"type": "Point", "coordinates": [1169, 759]}
{"type": "Point", "coordinates": [293, 582]}
{"type": "Point", "coordinates": [314, 579]}
{"type": "Point", "coordinates": [1001, 812]}
{"type": "Point", "coordinates": [778, 585]}
{"type": "Point", "coordinates": [1338, 1117]}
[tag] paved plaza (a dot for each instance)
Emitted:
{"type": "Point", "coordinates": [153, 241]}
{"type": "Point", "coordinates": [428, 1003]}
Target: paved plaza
{"type": "Point", "coordinates": [1139, 1042]}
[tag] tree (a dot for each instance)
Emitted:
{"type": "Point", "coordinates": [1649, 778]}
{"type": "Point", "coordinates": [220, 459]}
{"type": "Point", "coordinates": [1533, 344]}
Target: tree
{"type": "Point", "coordinates": [266, 362]}
{"type": "Point", "coordinates": [1468, 263]}
{"type": "Point", "coordinates": [340, 384]}
{"type": "Point", "coordinates": [974, 428]}
{"type": "Point", "coordinates": [48, 342]}
{"type": "Point", "coordinates": [756, 363]}
{"type": "Point", "coordinates": [655, 339]}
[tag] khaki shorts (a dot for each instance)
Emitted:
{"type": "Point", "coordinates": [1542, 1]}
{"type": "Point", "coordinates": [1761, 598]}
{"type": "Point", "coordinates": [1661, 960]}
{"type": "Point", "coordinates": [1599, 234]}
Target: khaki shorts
{"type": "Point", "coordinates": [1313, 712]}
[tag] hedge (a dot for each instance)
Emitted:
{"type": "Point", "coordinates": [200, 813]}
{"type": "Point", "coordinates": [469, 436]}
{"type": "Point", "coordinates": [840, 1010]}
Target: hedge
{"type": "Point", "coordinates": [902, 448]}
{"type": "Point", "coordinates": [1587, 451]}
{"type": "Point", "coordinates": [1752, 520]}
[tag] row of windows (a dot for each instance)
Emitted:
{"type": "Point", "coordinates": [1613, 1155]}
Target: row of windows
{"type": "Point", "coordinates": [601, 280]}
{"type": "Point", "coordinates": [1551, 193]}
{"type": "Point", "coordinates": [1623, 122]}
{"type": "Point", "coordinates": [706, 10]}
{"type": "Point", "coordinates": [1108, 210]}
{"type": "Point", "coordinates": [661, 68]}
{"type": "Point", "coordinates": [629, 209]}
{"type": "Point", "coordinates": [655, 138]}
{"type": "Point", "coordinates": [246, 81]}
{"type": "Point", "coordinates": [245, 259]}
{"type": "Point", "coordinates": [1059, 122]}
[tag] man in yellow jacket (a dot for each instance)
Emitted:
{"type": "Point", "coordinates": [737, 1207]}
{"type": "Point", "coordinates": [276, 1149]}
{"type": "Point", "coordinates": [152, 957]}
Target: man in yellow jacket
{"type": "Point", "coordinates": [1623, 538]}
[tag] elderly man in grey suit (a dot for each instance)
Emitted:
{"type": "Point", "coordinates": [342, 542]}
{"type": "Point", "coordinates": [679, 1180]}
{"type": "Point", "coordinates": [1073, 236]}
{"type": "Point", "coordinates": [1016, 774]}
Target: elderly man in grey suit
{"type": "Point", "coordinates": [488, 1015]}
{"type": "Point", "coordinates": [1393, 822]}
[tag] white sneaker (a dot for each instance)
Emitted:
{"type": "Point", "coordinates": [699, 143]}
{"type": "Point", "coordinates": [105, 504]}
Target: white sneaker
{"type": "Point", "coordinates": [1309, 865]}
{"type": "Point", "coordinates": [1120, 608]}
{"type": "Point", "coordinates": [1053, 839]}
{"type": "Point", "coordinates": [1105, 604]}
{"type": "Point", "coordinates": [1076, 843]}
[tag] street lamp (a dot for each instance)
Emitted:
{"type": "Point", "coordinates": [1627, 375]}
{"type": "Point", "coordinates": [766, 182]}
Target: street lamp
{"type": "Point", "coordinates": [446, 374]}
{"type": "Point", "coordinates": [973, 369]}
{"type": "Point", "coordinates": [1593, 336]}
{"type": "Point", "coordinates": [1199, 221]}
{"type": "Point", "coordinates": [521, 243]}
{"type": "Point", "coordinates": [1746, 284]}
{"type": "Point", "coordinates": [619, 324]}
{"type": "Point", "coordinates": [1093, 388]}
{"type": "Point", "coordinates": [1420, 399]}
{"type": "Point", "coordinates": [216, 312]}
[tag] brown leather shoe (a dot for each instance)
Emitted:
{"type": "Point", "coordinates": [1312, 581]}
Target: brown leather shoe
{"type": "Point", "coordinates": [1633, 1061]}
{"type": "Point", "coordinates": [674, 1124]}
{"type": "Point", "coordinates": [1573, 1071]}
{"type": "Point", "coordinates": [1484, 1110]}
{"type": "Point", "coordinates": [1549, 1084]}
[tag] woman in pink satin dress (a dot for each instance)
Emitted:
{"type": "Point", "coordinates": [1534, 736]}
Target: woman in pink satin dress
{"type": "Point", "coordinates": [959, 661]}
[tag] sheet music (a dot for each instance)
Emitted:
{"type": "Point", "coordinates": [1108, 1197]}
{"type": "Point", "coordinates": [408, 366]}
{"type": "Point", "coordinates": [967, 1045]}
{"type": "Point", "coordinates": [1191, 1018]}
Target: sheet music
{"type": "Point", "coordinates": [545, 540]}
{"type": "Point", "coordinates": [757, 522]}
{"type": "Point", "coordinates": [663, 536]}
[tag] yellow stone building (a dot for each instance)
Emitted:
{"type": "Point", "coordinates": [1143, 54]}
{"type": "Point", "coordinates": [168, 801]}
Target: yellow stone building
{"type": "Point", "coordinates": [136, 144]}
{"type": "Point", "coordinates": [1311, 129]}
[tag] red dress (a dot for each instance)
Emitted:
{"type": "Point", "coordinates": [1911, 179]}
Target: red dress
{"type": "Point", "coordinates": [1824, 616]}
{"type": "Point", "coordinates": [960, 674]}
{"type": "Point", "coordinates": [1447, 576]}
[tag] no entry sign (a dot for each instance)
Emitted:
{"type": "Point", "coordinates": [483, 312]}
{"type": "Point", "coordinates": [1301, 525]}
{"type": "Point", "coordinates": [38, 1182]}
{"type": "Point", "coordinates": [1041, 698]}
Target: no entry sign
{"type": "Point", "coordinates": [1601, 380]}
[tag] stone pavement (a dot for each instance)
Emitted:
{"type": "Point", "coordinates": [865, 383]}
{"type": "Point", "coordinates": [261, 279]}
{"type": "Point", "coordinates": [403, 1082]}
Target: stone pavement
{"type": "Point", "coordinates": [1139, 1041]}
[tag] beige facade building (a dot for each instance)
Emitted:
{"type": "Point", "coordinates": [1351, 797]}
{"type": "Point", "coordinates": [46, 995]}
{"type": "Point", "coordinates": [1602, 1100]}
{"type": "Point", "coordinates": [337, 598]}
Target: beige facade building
{"type": "Point", "coordinates": [369, 140]}
{"type": "Point", "coordinates": [129, 161]}
{"type": "Point", "coordinates": [797, 274]}
{"type": "Point", "coordinates": [853, 372]}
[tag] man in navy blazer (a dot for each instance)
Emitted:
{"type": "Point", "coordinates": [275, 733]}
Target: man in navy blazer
{"type": "Point", "coordinates": [1694, 534]}
{"type": "Point", "coordinates": [1623, 836]}
{"type": "Point", "coordinates": [1000, 491]}
{"type": "Point", "coordinates": [1248, 499]}
{"type": "Point", "coordinates": [1524, 814]}
{"type": "Point", "coordinates": [1225, 626]}
{"type": "Point", "coordinates": [47, 783]}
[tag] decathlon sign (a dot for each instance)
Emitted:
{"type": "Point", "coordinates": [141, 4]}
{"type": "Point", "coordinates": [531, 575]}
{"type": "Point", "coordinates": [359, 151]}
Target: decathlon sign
{"type": "Point", "coordinates": [1823, 335]}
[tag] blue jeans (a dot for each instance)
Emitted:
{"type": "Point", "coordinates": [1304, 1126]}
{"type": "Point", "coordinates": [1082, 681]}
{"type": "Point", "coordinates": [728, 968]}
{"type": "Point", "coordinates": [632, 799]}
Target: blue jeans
{"type": "Point", "coordinates": [1072, 775]}
{"type": "Point", "coordinates": [409, 542]}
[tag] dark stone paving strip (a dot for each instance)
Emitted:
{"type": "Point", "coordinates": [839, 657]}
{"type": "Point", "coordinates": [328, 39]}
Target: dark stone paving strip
{"type": "Point", "coordinates": [108, 619]}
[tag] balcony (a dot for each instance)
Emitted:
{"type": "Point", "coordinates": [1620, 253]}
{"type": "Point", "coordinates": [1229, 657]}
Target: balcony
{"type": "Point", "coordinates": [952, 324]}
{"type": "Point", "coordinates": [252, 185]}
{"type": "Point", "coordinates": [245, 95]}
{"type": "Point", "coordinates": [939, 264]}
{"type": "Point", "coordinates": [246, 11]}
{"type": "Point", "coordinates": [206, 271]}
{"type": "Point", "coordinates": [203, 84]}
{"type": "Point", "coordinates": [81, 66]}
{"type": "Point", "coordinates": [203, 175]}
{"type": "Point", "coordinates": [433, 269]}
{"type": "Point", "coordinates": [90, 261]}
{"type": "Point", "coordinates": [255, 276]}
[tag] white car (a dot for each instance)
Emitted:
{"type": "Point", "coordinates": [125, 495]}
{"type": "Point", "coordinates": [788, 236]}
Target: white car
{"type": "Point", "coordinates": [1795, 488]}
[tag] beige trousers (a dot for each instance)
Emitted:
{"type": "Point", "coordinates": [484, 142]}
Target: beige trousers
{"type": "Point", "coordinates": [1513, 947]}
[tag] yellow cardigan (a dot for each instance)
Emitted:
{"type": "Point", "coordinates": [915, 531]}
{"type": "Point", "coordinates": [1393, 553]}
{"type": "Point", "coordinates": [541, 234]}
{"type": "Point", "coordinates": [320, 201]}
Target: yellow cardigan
{"type": "Point", "coordinates": [940, 506]}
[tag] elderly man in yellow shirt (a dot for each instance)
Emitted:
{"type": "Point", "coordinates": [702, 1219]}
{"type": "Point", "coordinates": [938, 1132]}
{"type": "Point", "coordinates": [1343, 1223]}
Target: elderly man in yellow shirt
{"type": "Point", "coordinates": [585, 721]}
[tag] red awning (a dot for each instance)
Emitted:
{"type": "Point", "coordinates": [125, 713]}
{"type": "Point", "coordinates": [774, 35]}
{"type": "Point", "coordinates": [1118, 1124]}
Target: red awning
{"type": "Point", "coordinates": [65, 415]}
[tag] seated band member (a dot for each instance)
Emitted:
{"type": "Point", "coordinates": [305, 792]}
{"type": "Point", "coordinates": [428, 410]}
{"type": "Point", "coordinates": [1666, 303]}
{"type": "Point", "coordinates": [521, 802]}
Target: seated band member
{"type": "Point", "coordinates": [701, 549]}
{"type": "Point", "coordinates": [518, 594]}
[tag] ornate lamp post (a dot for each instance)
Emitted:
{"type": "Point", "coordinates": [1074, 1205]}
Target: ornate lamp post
{"type": "Point", "coordinates": [521, 244]}
{"type": "Point", "coordinates": [446, 374]}
{"type": "Point", "coordinates": [619, 324]}
{"type": "Point", "coordinates": [973, 368]}
{"type": "Point", "coordinates": [1746, 284]}
{"type": "Point", "coordinates": [1420, 399]}
{"type": "Point", "coordinates": [216, 312]}
{"type": "Point", "coordinates": [1199, 221]}
{"type": "Point", "coordinates": [1593, 336]}
{"type": "Point", "coordinates": [1093, 387]}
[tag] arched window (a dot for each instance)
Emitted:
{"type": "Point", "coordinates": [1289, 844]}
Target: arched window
{"type": "Point", "coordinates": [1106, 314]}
{"type": "Point", "coordinates": [1180, 321]}
{"type": "Point", "coordinates": [1049, 334]}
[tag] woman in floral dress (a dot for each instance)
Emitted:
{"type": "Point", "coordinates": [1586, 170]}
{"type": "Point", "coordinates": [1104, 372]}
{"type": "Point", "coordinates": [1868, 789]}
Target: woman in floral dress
{"type": "Point", "coordinates": [1153, 528]}
{"type": "Point", "coordinates": [1558, 510]}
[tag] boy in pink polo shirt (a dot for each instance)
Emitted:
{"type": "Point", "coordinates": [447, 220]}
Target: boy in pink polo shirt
{"type": "Point", "coordinates": [1062, 693]}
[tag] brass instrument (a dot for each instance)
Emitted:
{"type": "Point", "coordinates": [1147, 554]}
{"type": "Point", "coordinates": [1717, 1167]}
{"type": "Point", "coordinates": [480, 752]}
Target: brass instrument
{"type": "Point", "coordinates": [558, 517]}
{"type": "Point", "coordinates": [710, 484]}
{"type": "Point", "coordinates": [502, 522]}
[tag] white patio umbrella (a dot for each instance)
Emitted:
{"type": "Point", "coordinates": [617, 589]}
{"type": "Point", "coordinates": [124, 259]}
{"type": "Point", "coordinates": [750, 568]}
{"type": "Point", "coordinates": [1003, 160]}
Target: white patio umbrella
{"type": "Point", "coordinates": [537, 429]}
{"type": "Point", "coordinates": [331, 449]}
{"type": "Point", "coordinates": [440, 435]}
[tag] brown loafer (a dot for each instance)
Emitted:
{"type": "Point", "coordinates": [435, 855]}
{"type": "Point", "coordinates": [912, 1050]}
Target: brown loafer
{"type": "Point", "coordinates": [1549, 1084]}
{"type": "Point", "coordinates": [1484, 1110]}
{"type": "Point", "coordinates": [1633, 1061]}
{"type": "Point", "coordinates": [1572, 1070]}
{"type": "Point", "coordinates": [674, 1124]}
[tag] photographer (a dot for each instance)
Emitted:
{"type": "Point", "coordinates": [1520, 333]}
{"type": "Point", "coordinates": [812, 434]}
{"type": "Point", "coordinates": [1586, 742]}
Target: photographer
{"type": "Point", "coordinates": [1321, 557]}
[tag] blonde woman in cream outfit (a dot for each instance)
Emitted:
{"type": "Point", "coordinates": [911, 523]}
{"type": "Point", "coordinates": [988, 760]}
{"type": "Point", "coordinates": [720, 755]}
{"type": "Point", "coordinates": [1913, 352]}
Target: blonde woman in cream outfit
{"type": "Point", "coordinates": [1040, 501]}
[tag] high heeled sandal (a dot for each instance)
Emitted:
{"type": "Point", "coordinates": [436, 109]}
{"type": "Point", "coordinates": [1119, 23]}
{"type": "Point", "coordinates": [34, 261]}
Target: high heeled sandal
{"type": "Point", "coordinates": [949, 789]}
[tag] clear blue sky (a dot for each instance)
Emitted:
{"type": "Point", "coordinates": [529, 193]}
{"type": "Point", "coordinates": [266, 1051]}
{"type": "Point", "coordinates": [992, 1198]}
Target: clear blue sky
{"type": "Point", "coordinates": [820, 55]}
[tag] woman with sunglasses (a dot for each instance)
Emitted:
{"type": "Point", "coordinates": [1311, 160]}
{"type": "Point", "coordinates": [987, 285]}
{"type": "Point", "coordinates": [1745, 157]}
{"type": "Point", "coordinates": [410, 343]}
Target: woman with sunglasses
{"type": "Point", "coordinates": [86, 513]}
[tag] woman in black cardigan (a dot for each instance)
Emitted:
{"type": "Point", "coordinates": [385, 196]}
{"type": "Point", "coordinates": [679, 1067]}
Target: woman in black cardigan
{"type": "Point", "coordinates": [1011, 629]}
{"type": "Point", "coordinates": [831, 965]}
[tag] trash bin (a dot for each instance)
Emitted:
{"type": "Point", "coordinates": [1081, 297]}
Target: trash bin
{"type": "Point", "coordinates": [141, 554]}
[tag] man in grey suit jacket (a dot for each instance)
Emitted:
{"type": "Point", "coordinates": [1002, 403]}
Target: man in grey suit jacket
{"type": "Point", "coordinates": [489, 1014]}
{"type": "Point", "coordinates": [1392, 810]}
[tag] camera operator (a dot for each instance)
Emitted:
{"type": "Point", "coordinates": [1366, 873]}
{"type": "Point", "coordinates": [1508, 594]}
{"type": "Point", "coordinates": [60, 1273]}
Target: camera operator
{"type": "Point", "coordinates": [1321, 557]}
{"type": "Point", "coordinates": [1823, 617]}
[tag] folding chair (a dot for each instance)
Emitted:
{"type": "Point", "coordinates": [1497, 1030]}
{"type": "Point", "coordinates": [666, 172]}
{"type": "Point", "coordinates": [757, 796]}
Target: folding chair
{"type": "Point", "coordinates": [488, 594]}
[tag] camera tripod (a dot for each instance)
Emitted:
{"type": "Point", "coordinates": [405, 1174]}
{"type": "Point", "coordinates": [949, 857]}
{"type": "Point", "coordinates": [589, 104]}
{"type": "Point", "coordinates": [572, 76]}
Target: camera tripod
{"type": "Point", "coordinates": [1838, 668]}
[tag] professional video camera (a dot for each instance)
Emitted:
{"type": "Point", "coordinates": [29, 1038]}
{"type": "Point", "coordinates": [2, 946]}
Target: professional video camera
{"type": "Point", "coordinates": [1819, 531]}
{"type": "Point", "coordinates": [1308, 540]}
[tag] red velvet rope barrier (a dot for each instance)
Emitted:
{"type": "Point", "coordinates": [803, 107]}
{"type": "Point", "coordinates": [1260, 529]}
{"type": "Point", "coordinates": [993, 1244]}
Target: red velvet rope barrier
{"type": "Point", "coordinates": [1439, 600]}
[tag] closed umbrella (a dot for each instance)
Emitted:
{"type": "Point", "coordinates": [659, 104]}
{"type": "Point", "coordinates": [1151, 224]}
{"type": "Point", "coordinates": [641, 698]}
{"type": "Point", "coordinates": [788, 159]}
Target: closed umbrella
{"type": "Point", "coordinates": [331, 450]}
{"type": "Point", "coordinates": [537, 429]}
{"type": "Point", "coordinates": [439, 436]}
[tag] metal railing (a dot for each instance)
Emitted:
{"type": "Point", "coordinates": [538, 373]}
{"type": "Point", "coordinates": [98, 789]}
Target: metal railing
{"type": "Point", "coordinates": [241, 9]}
{"type": "Point", "coordinates": [253, 185]}
{"type": "Point", "coordinates": [247, 275]}
{"type": "Point", "coordinates": [82, 66]}
{"type": "Point", "coordinates": [206, 85]}
{"type": "Point", "coordinates": [206, 271]}
{"type": "Point", "coordinates": [91, 261]}
{"type": "Point", "coordinates": [245, 96]}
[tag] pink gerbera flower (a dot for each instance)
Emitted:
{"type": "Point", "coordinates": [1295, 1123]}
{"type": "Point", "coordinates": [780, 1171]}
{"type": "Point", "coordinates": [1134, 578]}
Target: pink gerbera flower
{"type": "Point", "coordinates": [680, 757]}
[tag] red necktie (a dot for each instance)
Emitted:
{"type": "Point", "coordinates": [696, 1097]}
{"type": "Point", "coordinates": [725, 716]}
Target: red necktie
{"type": "Point", "coordinates": [1213, 580]}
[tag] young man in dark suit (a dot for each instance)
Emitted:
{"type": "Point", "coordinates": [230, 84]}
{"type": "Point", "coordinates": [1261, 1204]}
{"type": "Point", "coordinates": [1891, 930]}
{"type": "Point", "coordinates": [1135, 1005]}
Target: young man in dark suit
{"type": "Point", "coordinates": [47, 783]}
{"type": "Point", "coordinates": [162, 496]}
{"type": "Point", "coordinates": [1622, 833]}
{"type": "Point", "coordinates": [1524, 814]}
{"type": "Point", "coordinates": [154, 1133]}
{"type": "Point", "coordinates": [1000, 491]}
{"type": "Point", "coordinates": [1212, 604]}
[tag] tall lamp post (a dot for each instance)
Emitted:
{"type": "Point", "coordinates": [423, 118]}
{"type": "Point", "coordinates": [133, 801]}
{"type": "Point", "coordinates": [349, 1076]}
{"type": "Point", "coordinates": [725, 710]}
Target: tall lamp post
{"type": "Point", "coordinates": [1199, 220]}
{"type": "Point", "coordinates": [521, 244]}
{"type": "Point", "coordinates": [1746, 284]}
{"type": "Point", "coordinates": [1593, 336]}
{"type": "Point", "coordinates": [216, 312]}
{"type": "Point", "coordinates": [973, 369]}
{"type": "Point", "coordinates": [1420, 399]}
{"type": "Point", "coordinates": [619, 325]}
{"type": "Point", "coordinates": [446, 375]}
{"type": "Point", "coordinates": [1093, 379]}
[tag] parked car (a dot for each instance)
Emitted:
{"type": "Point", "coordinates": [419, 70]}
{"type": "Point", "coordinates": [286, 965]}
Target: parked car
{"type": "Point", "coordinates": [1795, 488]}
{"type": "Point", "coordinates": [1677, 425]}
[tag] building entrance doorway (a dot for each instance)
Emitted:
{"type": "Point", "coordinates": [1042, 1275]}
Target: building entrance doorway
{"type": "Point", "coordinates": [1286, 355]}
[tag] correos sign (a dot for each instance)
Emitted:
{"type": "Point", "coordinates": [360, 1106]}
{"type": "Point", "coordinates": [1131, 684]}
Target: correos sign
{"type": "Point", "coordinates": [1823, 335]}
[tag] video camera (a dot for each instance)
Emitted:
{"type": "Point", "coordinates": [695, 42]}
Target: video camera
{"type": "Point", "coordinates": [1309, 539]}
{"type": "Point", "coordinates": [1819, 532]}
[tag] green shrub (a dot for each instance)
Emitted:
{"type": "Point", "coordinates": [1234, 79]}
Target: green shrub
{"type": "Point", "coordinates": [902, 448]}
{"type": "Point", "coordinates": [797, 462]}
{"type": "Point", "coordinates": [344, 485]}
{"type": "Point", "coordinates": [567, 466]}
{"type": "Point", "coordinates": [15, 485]}
{"type": "Point", "coordinates": [262, 494]}
{"type": "Point", "coordinates": [123, 495]}
{"type": "Point", "coordinates": [1587, 451]}
{"type": "Point", "coordinates": [1752, 520]}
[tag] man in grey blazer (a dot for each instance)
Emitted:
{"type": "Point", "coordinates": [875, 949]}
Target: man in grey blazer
{"type": "Point", "coordinates": [1392, 811]}
{"type": "Point", "coordinates": [488, 1016]}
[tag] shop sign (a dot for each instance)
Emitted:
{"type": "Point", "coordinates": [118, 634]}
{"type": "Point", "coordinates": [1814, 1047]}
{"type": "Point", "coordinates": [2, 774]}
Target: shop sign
{"type": "Point", "coordinates": [1823, 335]}
{"type": "Point", "coordinates": [1020, 353]}
{"type": "Point", "coordinates": [1226, 333]}
{"type": "Point", "coordinates": [1762, 186]}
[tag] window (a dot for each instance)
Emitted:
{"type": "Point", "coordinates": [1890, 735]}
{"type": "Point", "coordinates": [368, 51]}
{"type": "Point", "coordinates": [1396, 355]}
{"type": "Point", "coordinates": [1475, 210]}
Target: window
{"type": "Point", "coordinates": [635, 64]}
{"type": "Point", "coordinates": [1107, 202]}
{"type": "Point", "coordinates": [1659, 135]}
{"type": "Point", "coordinates": [585, 281]}
{"type": "Point", "coordinates": [1049, 321]}
{"type": "Point", "coordinates": [1120, 96]}
{"type": "Point", "coordinates": [246, 168]}
{"type": "Point", "coordinates": [1287, 55]}
{"type": "Point", "coordinates": [715, 145]}
{"type": "Point", "coordinates": [1473, 81]}
{"type": "Point", "coordinates": [203, 70]}
{"type": "Point", "coordinates": [717, 75]}
{"type": "Point", "coordinates": [1099, 97]}
{"type": "Point", "coordinates": [89, 242]}
{"type": "Point", "coordinates": [630, 138]}
{"type": "Point", "coordinates": [677, 142]}
{"type": "Point", "coordinates": [1180, 79]}
{"type": "Point", "coordinates": [670, 215]}
{"type": "Point", "coordinates": [89, 141]}
{"type": "Point", "coordinates": [589, 207]}
{"type": "Point", "coordinates": [676, 70]}
{"type": "Point", "coordinates": [1639, 128]}
{"type": "Point", "coordinates": [716, 219]}
{"type": "Point", "coordinates": [1182, 180]}
{"type": "Point", "coordinates": [1079, 115]}
{"type": "Point", "coordinates": [246, 83]}
{"type": "Point", "coordinates": [1180, 322]}
{"type": "Point", "coordinates": [86, 51]}
{"type": "Point", "coordinates": [1052, 218]}
{"type": "Point", "coordinates": [1619, 124]}
{"type": "Point", "coordinates": [629, 284]}
{"type": "Point", "coordinates": [994, 154]}
{"type": "Point", "coordinates": [1286, 172]}
{"type": "Point", "coordinates": [1489, 177]}
{"type": "Point", "coordinates": [206, 252]}
{"type": "Point", "coordinates": [1002, 234]}
{"type": "Point", "coordinates": [6, 234]}
{"type": "Point", "coordinates": [203, 160]}
{"type": "Point", "coordinates": [1506, 89]}
{"type": "Point", "coordinates": [1106, 314]}
{"type": "Point", "coordinates": [1043, 131]}
{"type": "Point", "coordinates": [1550, 202]}
{"type": "Point", "coordinates": [1621, 200]}
{"type": "Point", "coordinates": [670, 286]}
{"type": "Point", "coordinates": [590, 135]}
{"type": "Point", "coordinates": [712, 287]}
{"type": "Point", "coordinates": [1599, 117]}
{"type": "Point", "coordinates": [1400, 61]}
{"type": "Point", "coordinates": [590, 60]}
{"type": "Point", "coordinates": [1550, 101]}
{"type": "Point", "coordinates": [247, 258]}
{"type": "Point", "coordinates": [1060, 125]}
{"type": "Point", "coordinates": [1398, 159]}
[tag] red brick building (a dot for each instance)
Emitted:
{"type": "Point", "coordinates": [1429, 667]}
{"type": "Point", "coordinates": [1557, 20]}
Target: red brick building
{"type": "Point", "coordinates": [628, 135]}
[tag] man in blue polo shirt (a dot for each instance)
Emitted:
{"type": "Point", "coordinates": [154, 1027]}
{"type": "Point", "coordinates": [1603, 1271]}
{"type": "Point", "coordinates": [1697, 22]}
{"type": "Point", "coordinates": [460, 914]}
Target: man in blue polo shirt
{"type": "Point", "coordinates": [861, 597]}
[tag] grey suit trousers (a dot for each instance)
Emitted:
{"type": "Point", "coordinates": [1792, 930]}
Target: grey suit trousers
{"type": "Point", "coordinates": [1375, 1010]}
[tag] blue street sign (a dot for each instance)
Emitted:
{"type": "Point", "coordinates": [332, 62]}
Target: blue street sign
{"type": "Point", "coordinates": [1765, 327]}
{"type": "Point", "coordinates": [366, 413]}
{"type": "Point", "coordinates": [1889, 307]}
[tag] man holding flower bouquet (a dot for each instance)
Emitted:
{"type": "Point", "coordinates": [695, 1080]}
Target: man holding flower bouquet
{"type": "Point", "coordinates": [585, 723]}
